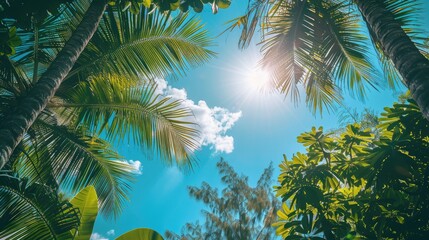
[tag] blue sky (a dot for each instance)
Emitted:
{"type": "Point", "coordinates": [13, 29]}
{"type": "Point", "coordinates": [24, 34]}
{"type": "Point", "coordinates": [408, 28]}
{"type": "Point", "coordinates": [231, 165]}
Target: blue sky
{"type": "Point", "coordinates": [263, 127]}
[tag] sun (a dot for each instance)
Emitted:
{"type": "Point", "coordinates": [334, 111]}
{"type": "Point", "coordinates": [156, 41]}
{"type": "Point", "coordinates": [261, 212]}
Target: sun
{"type": "Point", "coordinates": [258, 79]}
{"type": "Point", "coordinates": [250, 85]}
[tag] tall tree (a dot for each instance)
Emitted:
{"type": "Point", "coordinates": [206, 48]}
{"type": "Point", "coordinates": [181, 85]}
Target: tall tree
{"type": "Point", "coordinates": [357, 184]}
{"type": "Point", "coordinates": [63, 147]}
{"type": "Point", "coordinates": [398, 47]}
{"type": "Point", "coordinates": [16, 124]}
{"type": "Point", "coordinates": [323, 46]}
{"type": "Point", "coordinates": [240, 212]}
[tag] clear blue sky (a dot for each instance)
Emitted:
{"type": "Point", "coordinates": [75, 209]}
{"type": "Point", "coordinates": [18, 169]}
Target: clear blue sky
{"type": "Point", "coordinates": [267, 128]}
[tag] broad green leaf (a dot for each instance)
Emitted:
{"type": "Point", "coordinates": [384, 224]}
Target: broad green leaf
{"type": "Point", "coordinates": [147, 3]}
{"type": "Point", "coordinates": [141, 234]}
{"type": "Point", "coordinates": [87, 203]}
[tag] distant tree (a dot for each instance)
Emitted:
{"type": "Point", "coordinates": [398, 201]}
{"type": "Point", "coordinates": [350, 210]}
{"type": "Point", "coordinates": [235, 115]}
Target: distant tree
{"type": "Point", "coordinates": [357, 185]}
{"type": "Point", "coordinates": [240, 212]}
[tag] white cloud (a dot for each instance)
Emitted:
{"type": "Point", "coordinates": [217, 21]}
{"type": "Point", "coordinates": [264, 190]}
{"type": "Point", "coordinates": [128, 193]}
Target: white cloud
{"type": "Point", "coordinates": [137, 166]}
{"type": "Point", "coordinates": [213, 122]}
{"type": "Point", "coordinates": [97, 236]}
{"type": "Point", "coordinates": [111, 232]}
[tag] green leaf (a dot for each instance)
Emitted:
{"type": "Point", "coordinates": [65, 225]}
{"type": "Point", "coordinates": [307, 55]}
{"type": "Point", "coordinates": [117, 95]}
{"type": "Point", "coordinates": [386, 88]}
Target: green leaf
{"type": "Point", "coordinates": [113, 106]}
{"type": "Point", "coordinates": [77, 159]}
{"type": "Point", "coordinates": [135, 8]}
{"type": "Point", "coordinates": [33, 211]}
{"type": "Point", "coordinates": [87, 203]}
{"type": "Point", "coordinates": [223, 3]}
{"type": "Point", "coordinates": [141, 234]}
{"type": "Point", "coordinates": [144, 45]}
{"type": "Point", "coordinates": [147, 3]}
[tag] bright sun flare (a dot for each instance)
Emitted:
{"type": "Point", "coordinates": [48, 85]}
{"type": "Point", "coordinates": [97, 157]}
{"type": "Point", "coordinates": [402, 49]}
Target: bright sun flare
{"type": "Point", "coordinates": [259, 79]}
{"type": "Point", "coordinates": [250, 86]}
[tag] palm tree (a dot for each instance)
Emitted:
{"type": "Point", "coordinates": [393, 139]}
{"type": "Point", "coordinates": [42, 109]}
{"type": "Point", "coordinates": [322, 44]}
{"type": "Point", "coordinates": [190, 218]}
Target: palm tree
{"type": "Point", "coordinates": [321, 46]}
{"type": "Point", "coordinates": [63, 148]}
{"type": "Point", "coordinates": [17, 123]}
{"type": "Point", "coordinates": [14, 127]}
{"type": "Point", "coordinates": [398, 47]}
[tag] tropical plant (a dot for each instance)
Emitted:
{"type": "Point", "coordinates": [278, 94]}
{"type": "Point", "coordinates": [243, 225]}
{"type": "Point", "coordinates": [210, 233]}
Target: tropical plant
{"type": "Point", "coordinates": [322, 46]}
{"type": "Point", "coordinates": [30, 211]}
{"type": "Point", "coordinates": [141, 234]}
{"type": "Point", "coordinates": [86, 201]}
{"type": "Point", "coordinates": [240, 212]}
{"type": "Point", "coordinates": [17, 123]}
{"type": "Point", "coordinates": [352, 186]}
{"type": "Point", "coordinates": [63, 147]}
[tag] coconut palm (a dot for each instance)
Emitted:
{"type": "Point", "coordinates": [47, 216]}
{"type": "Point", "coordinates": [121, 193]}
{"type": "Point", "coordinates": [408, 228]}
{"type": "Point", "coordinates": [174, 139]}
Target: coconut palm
{"type": "Point", "coordinates": [322, 46]}
{"type": "Point", "coordinates": [86, 22]}
{"type": "Point", "coordinates": [397, 46]}
{"type": "Point", "coordinates": [64, 147]}
{"type": "Point", "coordinates": [13, 127]}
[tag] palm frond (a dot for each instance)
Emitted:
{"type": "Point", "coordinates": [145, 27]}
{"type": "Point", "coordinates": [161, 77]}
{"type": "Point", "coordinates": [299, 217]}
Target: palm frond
{"type": "Point", "coordinates": [316, 44]}
{"type": "Point", "coordinates": [77, 159]}
{"type": "Point", "coordinates": [29, 211]}
{"type": "Point", "coordinates": [281, 46]}
{"type": "Point", "coordinates": [13, 78]}
{"type": "Point", "coordinates": [143, 45]}
{"type": "Point", "coordinates": [110, 105]}
{"type": "Point", "coordinates": [344, 46]}
{"type": "Point", "coordinates": [53, 33]}
{"type": "Point", "coordinates": [255, 16]}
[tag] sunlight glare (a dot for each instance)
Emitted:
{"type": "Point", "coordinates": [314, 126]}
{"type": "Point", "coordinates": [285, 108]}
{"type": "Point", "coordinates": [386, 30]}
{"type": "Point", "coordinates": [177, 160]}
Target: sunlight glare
{"type": "Point", "coordinates": [250, 86]}
{"type": "Point", "coordinates": [259, 80]}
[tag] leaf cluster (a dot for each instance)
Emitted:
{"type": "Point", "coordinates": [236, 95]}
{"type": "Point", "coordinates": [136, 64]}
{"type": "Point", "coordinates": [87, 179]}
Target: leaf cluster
{"type": "Point", "coordinates": [358, 186]}
{"type": "Point", "coordinates": [107, 98]}
{"type": "Point", "coordinates": [321, 47]}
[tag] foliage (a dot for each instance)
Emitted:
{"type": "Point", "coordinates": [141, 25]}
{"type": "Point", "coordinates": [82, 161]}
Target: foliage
{"type": "Point", "coordinates": [9, 40]}
{"type": "Point", "coordinates": [87, 203]}
{"type": "Point", "coordinates": [356, 186]}
{"type": "Point", "coordinates": [240, 212]}
{"type": "Point", "coordinates": [140, 234]}
{"type": "Point", "coordinates": [30, 210]}
{"type": "Point", "coordinates": [109, 93]}
{"type": "Point", "coordinates": [320, 47]}
{"type": "Point", "coordinates": [46, 216]}
{"type": "Point", "coordinates": [28, 14]}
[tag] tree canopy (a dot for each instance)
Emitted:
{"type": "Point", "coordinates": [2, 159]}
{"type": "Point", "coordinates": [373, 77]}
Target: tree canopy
{"type": "Point", "coordinates": [357, 184]}
{"type": "Point", "coordinates": [323, 48]}
{"type": "Point", "coordinates": [239, 212]}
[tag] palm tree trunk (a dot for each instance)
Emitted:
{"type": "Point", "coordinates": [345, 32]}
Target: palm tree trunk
{"type": "Point", "coordinates": [14, 126]}
{"type": "Point", "coordinates": [410, 63]}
